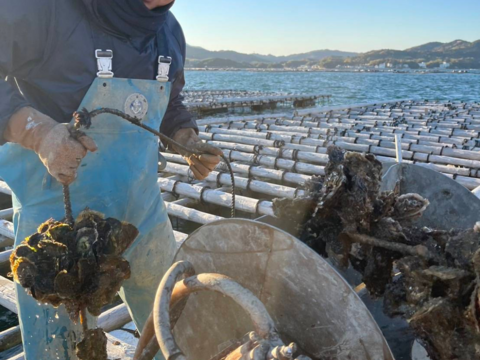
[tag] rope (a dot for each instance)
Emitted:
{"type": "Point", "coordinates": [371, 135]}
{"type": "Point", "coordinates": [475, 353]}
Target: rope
{"type": "Point", "coordinates": [68, 205]}
{"type": "Point", "coordinates": [83, 118]}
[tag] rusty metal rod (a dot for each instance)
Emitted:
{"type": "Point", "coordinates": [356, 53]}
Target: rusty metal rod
{"type": "Point", "coordinates": [418, 250]}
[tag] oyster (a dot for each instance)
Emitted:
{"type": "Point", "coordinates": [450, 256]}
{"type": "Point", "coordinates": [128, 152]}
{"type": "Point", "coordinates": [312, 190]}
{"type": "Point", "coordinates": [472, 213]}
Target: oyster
{"type": "Point", "coordinates": [79, 266]}
{"type": "Point", "coordinates": [409, 206]}
{"type": "Point", "coordinates": [93, 346]}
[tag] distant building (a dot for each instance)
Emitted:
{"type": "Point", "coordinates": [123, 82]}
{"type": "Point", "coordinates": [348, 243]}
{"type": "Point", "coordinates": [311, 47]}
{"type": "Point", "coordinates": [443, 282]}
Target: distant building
{"type": "Point", "coordinates": [422, 65]}
{"type": "Point", "coordinates": [380, 66]}
{"type": "Point", "coordinates": [389, 65]}
{"type": "Point", "coordinates": [444, 65]}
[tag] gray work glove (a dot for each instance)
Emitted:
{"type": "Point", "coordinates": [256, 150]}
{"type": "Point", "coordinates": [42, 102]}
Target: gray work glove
{"type": "Point", "coordinates": [201, 165]}
{"type": "Point", "coordinates": [57, 149]}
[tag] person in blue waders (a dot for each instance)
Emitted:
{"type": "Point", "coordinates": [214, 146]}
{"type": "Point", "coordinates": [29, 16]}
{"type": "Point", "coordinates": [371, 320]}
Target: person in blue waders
{"type": "Point", "coordinates": [57, 56]}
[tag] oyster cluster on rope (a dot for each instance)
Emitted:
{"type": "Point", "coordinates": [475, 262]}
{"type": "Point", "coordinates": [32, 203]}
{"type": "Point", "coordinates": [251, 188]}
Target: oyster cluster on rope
{"type": "Point", "coordinates": [429, 277]}
{"type": "Point", "coordinates": [79, 266]}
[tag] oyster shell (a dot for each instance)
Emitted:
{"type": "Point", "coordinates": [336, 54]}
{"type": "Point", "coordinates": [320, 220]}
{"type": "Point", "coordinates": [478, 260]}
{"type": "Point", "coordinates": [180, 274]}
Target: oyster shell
{"type": "Point", "coordinates": [93, 346]}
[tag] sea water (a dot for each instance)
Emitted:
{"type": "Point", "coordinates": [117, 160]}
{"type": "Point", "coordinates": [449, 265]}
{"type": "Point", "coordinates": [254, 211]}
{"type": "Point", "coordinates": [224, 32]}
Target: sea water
{"type": "Point", "coordinates": [345, 87]}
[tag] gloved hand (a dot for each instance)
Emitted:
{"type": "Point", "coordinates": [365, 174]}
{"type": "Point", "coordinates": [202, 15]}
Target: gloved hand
{"type": "Point", "coordinates": [200, 165]}
{"type": "Point", "coordinates": [57, 149]}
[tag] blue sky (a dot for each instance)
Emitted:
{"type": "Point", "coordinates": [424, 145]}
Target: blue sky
{"type": "Point", "coordinates": [282, 27]}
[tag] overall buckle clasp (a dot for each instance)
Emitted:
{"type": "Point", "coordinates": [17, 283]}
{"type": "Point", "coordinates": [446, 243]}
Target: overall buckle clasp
{"type": "Point", "coordinates": [104, 63]}
{"type": "Point", "coordinates": [164, 63]}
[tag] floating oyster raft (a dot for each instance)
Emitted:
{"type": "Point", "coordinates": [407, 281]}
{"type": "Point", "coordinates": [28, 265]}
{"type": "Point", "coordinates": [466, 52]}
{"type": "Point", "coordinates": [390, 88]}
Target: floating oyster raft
{"type": "Point", "coordinates": [80, 266]}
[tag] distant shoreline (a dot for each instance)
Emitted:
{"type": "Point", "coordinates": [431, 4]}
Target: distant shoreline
{"type": "Point", "coordinates": [362, 71]}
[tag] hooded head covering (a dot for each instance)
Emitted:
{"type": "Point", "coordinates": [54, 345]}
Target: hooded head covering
{"type": "Point", "coordinates": [127, 18]}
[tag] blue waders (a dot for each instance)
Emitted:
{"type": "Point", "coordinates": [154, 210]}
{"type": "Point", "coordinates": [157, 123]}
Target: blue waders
{"type": "Point", "coordinates": [120, 181]}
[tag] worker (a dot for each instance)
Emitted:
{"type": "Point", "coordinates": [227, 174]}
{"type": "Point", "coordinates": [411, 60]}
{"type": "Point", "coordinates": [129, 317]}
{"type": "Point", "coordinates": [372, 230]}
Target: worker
{"type": "Point", "coordinates": [55, 58]}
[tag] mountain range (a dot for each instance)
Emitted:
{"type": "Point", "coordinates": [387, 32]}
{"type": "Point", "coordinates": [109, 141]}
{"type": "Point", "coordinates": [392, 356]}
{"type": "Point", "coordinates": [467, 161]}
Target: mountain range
{"type": "Point", "coordinates": [458, 53]}
{"type": "Point", "coordinates": [199, 53]}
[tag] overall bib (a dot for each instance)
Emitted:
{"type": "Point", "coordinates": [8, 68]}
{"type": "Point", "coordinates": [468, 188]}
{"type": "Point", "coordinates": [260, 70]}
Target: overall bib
{"type": "Point", "coordinates": [120, 181]}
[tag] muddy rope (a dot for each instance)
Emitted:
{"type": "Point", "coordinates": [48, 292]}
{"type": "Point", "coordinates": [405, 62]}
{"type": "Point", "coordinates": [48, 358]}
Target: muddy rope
{"type": "Point", "coordinates": [83, 118]}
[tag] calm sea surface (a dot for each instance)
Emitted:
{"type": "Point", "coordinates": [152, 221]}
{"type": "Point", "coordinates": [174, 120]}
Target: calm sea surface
{"type": "Point", "coordinates": [345, 88]}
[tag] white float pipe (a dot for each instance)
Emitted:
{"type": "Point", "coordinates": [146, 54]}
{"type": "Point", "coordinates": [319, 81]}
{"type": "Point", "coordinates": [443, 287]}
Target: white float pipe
{"type": "Point", "coordinates": [221, 198]}
{"type": "Point", "coordinates": [242, 183]}
{"type": "Point", "coordinates": [252, 170]}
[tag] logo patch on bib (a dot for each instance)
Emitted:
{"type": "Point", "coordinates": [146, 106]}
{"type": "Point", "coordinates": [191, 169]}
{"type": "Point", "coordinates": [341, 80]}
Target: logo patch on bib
{"type": "Point", "coordinates": [136, 105]}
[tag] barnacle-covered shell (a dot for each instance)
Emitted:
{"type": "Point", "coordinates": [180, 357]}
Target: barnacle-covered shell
{"type": "Point", "coordinates": [52, 248]}
{"type": "Point", "coordinates": [58, 231]}
{"type": "Point", "coordinates": [84, 241]}
{"type": "Point", "coordinates": [45, 283]}
{"type": "Point", "coordinates": [62, 233]}
{"type": "Point", "coordinates": [34, 239]}
{"type": "Point", "coordinates": [24, 272]}
{"type": "Point", "coordinates": [88, 218]}
{"type": "Point", "coordinates": [24, 250]}
{"type": "Point", "coordinates": [67, 285]}
{"type": "Point", "coordinates": [44, 227]}
{"type": "Point", "coordinates": [409, 206]}
{"type": "Point", "coordinates": [112, 272]}
{"type": "Point", "coordinates": [120, 237]}
{"type": "Point", "coordinates": [93, 346]}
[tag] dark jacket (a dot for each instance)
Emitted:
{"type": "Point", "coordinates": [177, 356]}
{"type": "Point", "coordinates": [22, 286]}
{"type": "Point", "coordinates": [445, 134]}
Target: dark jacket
{"type": "Point", "coordinates": [47, 58]}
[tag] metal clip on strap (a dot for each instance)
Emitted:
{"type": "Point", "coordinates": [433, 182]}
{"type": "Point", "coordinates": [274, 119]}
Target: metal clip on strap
{"type": "Point", "coordinates": [104, 63]}
{"type": "Point", "coordinates": [164, 63]}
